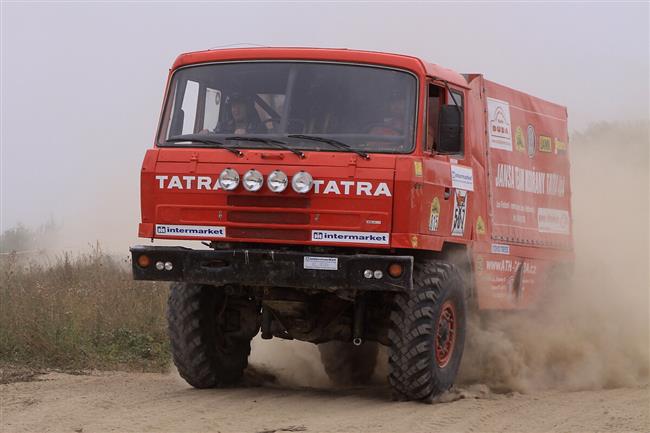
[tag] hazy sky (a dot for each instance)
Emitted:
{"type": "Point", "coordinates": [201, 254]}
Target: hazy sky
{"type": "Point", "coordinates": [82, 84]}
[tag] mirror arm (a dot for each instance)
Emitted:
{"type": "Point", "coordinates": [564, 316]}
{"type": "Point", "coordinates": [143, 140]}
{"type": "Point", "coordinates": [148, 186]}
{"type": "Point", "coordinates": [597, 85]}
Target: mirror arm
{"type": "Point", "coordinates": [450, 94]}
{"type": "Point", "coordinates": [460, 111]}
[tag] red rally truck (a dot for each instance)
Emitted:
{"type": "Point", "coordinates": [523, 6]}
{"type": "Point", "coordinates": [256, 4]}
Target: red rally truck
{"type": "Point", "coordinates": [348, 199]}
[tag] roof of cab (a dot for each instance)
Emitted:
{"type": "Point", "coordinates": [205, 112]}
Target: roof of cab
{"type": "Point", "coordinates": [411, 63]}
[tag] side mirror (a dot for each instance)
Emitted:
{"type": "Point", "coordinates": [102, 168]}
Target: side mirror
{"type": "Point", "coordinates": [450, 130]}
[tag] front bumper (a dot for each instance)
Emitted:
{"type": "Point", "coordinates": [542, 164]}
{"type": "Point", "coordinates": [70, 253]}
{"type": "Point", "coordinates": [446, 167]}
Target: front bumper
{"type": "Point", "coordinates": [270, 268]}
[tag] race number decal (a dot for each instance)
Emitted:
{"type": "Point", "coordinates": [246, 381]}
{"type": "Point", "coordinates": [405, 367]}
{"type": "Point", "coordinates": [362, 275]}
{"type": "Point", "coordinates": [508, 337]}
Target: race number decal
{"type": "Point", "coordinates": [434, 217]}
{"type": "Point", "coordinates": [460, 213]}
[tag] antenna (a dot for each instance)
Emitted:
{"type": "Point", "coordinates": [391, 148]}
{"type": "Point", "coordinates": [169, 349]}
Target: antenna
{"type": "Point", "coordinates": [239, 44]}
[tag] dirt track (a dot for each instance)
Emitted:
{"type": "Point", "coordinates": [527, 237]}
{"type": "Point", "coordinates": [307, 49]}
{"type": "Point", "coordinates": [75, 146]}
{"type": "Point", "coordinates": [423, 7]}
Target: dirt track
{"type": "Point", "coordinates": [131, 402]}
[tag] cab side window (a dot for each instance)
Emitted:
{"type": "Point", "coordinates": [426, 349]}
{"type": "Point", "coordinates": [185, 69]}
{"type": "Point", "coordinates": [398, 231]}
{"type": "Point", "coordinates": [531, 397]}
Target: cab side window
{"type": "Point", "coordinates": [433, 114]}
{"type": "Point", "coordinates": [455, 98]}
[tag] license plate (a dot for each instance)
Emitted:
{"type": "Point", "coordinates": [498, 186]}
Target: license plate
{"type": "Point", "coordinates": [321, 263]}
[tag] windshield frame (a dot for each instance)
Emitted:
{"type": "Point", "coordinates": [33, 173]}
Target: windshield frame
{"type": "Point", "coordinates": [165, 116]}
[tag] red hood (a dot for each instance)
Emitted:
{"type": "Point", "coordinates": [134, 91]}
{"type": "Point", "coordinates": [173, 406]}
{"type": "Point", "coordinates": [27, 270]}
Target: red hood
{"type": "Point", "coordinates": [349, 204]}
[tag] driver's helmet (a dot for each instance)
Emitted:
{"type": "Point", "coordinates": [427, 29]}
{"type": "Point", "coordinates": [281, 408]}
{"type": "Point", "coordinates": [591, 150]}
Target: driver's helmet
{"type": "Point", "coordinates": [240, 97]}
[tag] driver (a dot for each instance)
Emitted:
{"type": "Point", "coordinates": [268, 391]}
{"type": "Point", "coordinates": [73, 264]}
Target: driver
{"type": "Point", "coordinates": [393, 124]}
{"type": "Point", "coordinates": [243, 117]}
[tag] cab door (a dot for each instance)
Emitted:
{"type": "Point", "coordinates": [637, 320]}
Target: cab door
{"type": "Point", "coordinates": [444, 193]}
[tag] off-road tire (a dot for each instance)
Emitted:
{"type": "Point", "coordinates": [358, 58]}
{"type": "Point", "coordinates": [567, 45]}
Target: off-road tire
{"type": "Point", "coordinates": [347, 364]}
{"type": "Point", "coordinates": [205, 353]}
{"type": "Point", "coordinates": [418, 366]}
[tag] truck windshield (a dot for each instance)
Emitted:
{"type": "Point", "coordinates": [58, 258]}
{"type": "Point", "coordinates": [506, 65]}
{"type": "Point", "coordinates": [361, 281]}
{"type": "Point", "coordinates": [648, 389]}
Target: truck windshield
{"type": "Point", "coordinates": [303, 104]}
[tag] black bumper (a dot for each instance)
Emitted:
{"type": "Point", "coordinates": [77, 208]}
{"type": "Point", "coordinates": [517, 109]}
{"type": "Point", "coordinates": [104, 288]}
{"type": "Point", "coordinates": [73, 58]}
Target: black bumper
{"type": "Point", "coordinates": [256, 267]}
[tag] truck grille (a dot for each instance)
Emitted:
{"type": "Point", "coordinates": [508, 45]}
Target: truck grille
{"type": "Point", "coordinates": [259, 216]}
{"type": "Point", "coordinates": [268, 217]}
{"type": "Point", "coordinates": [269, 201]}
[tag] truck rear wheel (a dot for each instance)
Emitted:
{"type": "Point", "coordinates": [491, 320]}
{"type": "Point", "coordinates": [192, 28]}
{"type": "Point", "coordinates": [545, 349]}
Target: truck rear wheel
{"type": "Point", "coordinates": [427, 333]}
{"type": "Point", "coordinates": [347, 364]}
{"type": "Point", "coordinates": [210, 341]}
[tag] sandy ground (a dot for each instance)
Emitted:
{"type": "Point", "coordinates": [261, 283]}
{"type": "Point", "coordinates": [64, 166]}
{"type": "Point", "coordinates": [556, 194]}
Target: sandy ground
{"type": "Point", "coordinates": [141, 402]}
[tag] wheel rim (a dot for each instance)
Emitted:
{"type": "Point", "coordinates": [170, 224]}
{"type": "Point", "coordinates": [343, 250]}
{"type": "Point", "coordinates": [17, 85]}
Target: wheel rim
{"type": "Point", "coordinates": [445, 334]}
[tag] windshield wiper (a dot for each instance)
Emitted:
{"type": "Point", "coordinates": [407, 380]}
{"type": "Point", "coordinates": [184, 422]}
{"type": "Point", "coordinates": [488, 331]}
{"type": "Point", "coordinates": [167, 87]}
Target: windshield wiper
{"type": "Point", "coordinates": [332, 142]}
{"type": "Point", "coordinates": [200, 138]}
{"type": "Point", "coordinates": [278, 143]}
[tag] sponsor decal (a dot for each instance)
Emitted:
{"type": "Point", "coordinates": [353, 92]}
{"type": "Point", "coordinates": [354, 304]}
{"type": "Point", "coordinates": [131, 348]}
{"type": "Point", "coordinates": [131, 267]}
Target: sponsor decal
{"type": "Point", "coordinates": [462, 177]}
{"type": "Point", "coordinates": [350, 237]}
{"type": "Point", "coordinates": [519, 211]}
{"type": "Point", "coordinates": [560, 147]}
{"type": "Point", "coordinates": [480, 264]}
{"type": "Point", "coordinates": [191, 231]}
{"type": "Point", "coordinates": [434, 216]}
{"type": "Point", "coordinates": [553, 221]}
{"type": "Point", "coordinates": [530, 132]}
{"type": "Point", "coordinates": [520, 141]}
{"type": "Point", "coordinates": [507, 265]}
{"type": "Point", "coordinates": [321, 263]}
{"type": "Point", "coordinates": [460, 213]}
{"type": "Point", "coordinates": [373, 222]}
{"type": "Point", "coordinates": [545, 144]}
{"type": "Point", "coordinates": [343, 187]}
{"type": "Point", "coordinates": [499, 129]}
{"type": "Point", "coordinates": [531, 181]}
{"type": "Point", "coordinates": [500, 249]}
{"type": "Point", "coordinates": [417, 167]}
{"type": "Point", "coordinates": [480, 226]}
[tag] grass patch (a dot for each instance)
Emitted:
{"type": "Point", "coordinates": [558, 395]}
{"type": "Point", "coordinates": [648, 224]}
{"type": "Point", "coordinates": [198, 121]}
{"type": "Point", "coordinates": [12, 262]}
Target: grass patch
{"type": "Point", "coordinates": [81, 312]}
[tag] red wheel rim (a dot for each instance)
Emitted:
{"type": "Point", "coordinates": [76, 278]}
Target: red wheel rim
{"type": "Point", "coordinates": [445, 334]}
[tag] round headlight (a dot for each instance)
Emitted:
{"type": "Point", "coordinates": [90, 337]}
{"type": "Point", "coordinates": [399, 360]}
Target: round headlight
{"type": "Point", "coordinates": [277, 181]}
{"type": "Point", "coordinates": [302, 182]}
{"type": "Point", "coordinates": [253, 180]}
{"type": "Point", "coordinates": [228, 179]}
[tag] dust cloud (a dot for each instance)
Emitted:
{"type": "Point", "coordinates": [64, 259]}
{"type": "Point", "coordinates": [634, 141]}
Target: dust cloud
{"type": "Point", "coordinates": [287, 363]}
{"type": "Point", "coordinates": [594, 332]}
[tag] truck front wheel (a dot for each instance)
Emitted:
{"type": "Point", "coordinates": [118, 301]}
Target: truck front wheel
{"type": "Point", "coordinates": [427, 333]}
{"type": "Point", "coordinates": [210, 334]}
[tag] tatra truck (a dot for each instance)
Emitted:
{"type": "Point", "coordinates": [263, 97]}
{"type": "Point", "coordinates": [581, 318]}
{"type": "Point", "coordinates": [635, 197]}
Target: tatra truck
{"type": "Point", "coordinates": [349, 199]}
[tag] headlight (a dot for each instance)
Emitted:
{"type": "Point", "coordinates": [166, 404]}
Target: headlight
{"type": "Point", "coordinates": [302, 182]}
{"type": "Point", "coordinates": [277, 181]}
{"type": "Point", "coordinates": [228, 179]}
{"type": "Point", "coordinates": [253, 180]}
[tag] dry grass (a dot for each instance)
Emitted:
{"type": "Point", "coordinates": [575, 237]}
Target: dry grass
{"type": "Point", "coordinates": [79, 312]}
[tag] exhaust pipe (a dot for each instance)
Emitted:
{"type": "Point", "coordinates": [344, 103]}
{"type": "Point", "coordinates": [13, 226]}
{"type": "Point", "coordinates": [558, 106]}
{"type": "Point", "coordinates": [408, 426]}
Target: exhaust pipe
{"type": "Point", "coordinates": [359, 318]}
{"type": "Point", "coordinates": [267, 317]}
